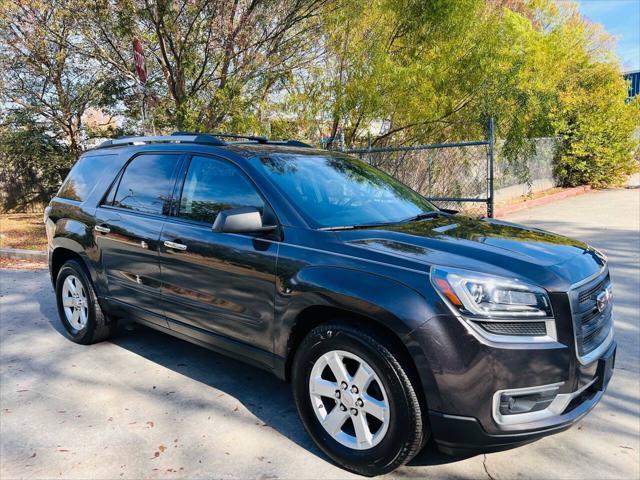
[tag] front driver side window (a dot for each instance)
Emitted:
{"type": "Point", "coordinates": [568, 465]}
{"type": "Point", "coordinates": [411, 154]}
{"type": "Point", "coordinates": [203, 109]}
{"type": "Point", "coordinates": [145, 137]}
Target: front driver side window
{"type": "Point", "coordinates": [214, 185]}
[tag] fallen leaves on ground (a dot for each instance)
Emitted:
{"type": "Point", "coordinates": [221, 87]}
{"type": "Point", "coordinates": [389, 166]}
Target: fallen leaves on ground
{"type": "Point", "coordinates": [20, 264]}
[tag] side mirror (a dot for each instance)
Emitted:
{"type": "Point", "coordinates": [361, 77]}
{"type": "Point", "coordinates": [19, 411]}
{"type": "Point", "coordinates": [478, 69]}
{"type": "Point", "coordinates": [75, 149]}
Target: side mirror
{"type": "Point", "coordinates": [241, 220]}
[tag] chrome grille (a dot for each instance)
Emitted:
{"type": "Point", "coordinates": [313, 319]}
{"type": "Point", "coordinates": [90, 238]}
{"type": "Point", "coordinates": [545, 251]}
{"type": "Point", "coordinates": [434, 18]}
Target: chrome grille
{"type": "Point", "coordinates": [591, 326]}
{"type": "Point", "coordinates": [592, 292]}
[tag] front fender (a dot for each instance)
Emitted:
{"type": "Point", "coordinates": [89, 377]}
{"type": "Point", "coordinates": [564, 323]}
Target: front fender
{"type": "Point", "coordinates": [387, 301]}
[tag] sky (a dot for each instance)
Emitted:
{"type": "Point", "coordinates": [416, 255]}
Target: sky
{"type": "Point", "coordinates": [621, 18]}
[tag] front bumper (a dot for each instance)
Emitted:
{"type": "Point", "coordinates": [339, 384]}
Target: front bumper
{"type": "Point", "coordinates": [461, 375]}
{"type": "Point", "coordinates": [456, 434]}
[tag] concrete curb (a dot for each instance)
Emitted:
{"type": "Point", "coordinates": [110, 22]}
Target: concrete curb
{"type": "Point", "coordinates": [23, 254]}
{"type": "Point", "coordinates": [554, 197]}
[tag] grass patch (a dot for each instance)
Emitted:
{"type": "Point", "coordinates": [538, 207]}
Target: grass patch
{"type": "Point", "coordinates": [23, 230]}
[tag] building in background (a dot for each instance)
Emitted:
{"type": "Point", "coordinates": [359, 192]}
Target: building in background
{"type": "Point", "coordinates": [634, 82]}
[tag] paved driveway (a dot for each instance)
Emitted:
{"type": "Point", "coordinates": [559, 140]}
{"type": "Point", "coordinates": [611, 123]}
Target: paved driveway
{"type": "Point", "coordinates": [146, 405]}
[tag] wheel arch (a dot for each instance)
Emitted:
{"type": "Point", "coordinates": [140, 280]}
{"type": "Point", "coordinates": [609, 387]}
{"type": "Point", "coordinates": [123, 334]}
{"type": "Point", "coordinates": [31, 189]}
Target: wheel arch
{"type": "Point", "coordinates": [316, 315]}
{"type": "Point", "coordinates": [65, 249]}
{"type": "Point", "coordinates": [60, 256]}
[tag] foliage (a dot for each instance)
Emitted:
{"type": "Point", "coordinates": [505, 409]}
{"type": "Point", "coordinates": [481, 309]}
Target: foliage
{"type": "Point", "coordinates": [42, 73]}
{"type": "Point", "coordinates": [379, 72]}
{"type": "Point", "coordinates": [593, 117]}
{"type": "Point", "coordinates": [32, 163]}
{"type": "Point", "coordinates": [211, 63]}
{"type": "Point", "coordinates": [408, 71]}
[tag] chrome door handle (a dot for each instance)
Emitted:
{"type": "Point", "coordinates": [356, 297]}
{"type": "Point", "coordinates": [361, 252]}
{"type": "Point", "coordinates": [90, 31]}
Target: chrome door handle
{"type": "Point", "coordinates": [101, 229]}
{"type": "Point", "coordinates": [174, 245]}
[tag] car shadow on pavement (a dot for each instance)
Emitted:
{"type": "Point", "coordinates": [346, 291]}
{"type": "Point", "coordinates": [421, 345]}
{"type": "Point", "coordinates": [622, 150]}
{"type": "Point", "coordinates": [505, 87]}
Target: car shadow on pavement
{"type": "Point", "coordinates": [269, 399]}
{"type": "Point", "coordinates": [266, 397]}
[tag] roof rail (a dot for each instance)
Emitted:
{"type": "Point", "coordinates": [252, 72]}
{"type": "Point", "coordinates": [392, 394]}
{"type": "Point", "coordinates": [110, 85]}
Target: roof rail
{"type": "Point", "coordinates": [255, 138]}
{"type": "Point", "coordinates": [191, 138]}
{"type": "Point", "coordinates": [296, 143]}
{"type": "Point", "coordinates": [194, 137]}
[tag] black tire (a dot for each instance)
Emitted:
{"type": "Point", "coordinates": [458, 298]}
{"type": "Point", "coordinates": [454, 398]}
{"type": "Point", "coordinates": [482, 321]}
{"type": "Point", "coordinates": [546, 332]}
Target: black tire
{"type": "Point", "coordinates": [406, 432]}
{"type": "Point", "coordinates": [98, 326]}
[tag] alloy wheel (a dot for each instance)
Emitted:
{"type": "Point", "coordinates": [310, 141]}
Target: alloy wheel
{"type": "Point", "coordinates": [75, 302]}
{"type": "Point", "coordinates": [349, 400]}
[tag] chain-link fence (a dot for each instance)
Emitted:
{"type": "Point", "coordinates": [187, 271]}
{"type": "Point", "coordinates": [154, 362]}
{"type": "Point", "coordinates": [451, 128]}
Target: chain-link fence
{"type": "Point", "coordinates": [455, 176]}
{"type": "Point", "coordinates": [534, 164]}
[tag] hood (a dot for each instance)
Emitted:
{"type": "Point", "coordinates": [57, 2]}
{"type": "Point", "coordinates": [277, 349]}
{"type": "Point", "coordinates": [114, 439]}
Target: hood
{"type": "Point", "coordinates": [487, 245]}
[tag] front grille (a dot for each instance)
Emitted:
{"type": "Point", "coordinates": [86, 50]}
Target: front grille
{"type": "Point", "coordinates": [592, 292]}
{"type": "Point", "coordinates": [529, 329]}
{"type": "Point", "coordinates": [591, 325]}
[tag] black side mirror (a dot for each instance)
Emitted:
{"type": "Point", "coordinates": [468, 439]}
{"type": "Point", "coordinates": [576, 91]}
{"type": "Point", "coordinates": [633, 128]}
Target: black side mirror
{"type": "Point", "coordinates": [241, 220]}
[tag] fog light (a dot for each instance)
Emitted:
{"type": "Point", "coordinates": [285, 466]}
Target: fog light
{"type": "Point", "coordinates": [514, 403]}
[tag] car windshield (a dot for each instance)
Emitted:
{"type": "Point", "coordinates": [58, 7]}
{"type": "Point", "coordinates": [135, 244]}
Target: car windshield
{"type": "Point", "coordinates": [334, 190]}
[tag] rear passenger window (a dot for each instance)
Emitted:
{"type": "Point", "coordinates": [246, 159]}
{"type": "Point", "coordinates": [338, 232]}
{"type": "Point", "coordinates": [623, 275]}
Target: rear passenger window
{"type": "Point", "coordinates": [146, 184]}
{"type": "Point", "coordinates": [213, 185]}
{"type": "Point", "coordinates": [84, 176]}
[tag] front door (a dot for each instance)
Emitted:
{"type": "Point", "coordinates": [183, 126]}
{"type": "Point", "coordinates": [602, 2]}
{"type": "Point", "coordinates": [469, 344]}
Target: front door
{"type": "Point", "coordinates": [217, 283]}
{"type": "Point", "coordinates": [127, 230]}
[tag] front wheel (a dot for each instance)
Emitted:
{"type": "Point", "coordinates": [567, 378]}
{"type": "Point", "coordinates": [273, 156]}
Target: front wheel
{"type": "Point", "coordinates": [356, 400]}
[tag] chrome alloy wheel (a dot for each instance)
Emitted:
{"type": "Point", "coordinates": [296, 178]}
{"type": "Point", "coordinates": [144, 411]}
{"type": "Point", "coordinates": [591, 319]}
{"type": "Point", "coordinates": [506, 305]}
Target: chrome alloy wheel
{"type": "Point", "coordinates": [75, 302]}
{"type": "Point", "coordinates": [349, 400]}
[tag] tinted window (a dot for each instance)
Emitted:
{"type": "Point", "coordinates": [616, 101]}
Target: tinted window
{"type": "Point", "coordinates": [146, 184]}
{"type": "Point", "coordinates": [213, 185]}
{"type": "Point", "coordinates": [336, 190]}
{"type": "Point", "coordinates": [84, 176]}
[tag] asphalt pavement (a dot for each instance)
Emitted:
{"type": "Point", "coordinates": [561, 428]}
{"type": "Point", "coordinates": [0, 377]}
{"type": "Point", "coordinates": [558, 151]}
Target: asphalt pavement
{"type": "Point", "coordinates": [146, 405]}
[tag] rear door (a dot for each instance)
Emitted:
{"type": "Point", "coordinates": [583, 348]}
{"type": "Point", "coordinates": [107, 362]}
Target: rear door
{"type": "Point", "coordinates": [215, 282]}
{"type": "Point", "coordinates": [127, 230]}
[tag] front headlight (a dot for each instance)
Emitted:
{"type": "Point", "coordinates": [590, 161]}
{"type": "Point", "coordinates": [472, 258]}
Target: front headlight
{"type": "Point", "coordinates": [483, 296]}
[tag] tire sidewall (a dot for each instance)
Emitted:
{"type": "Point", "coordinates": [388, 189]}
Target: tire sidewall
{"type": "Point", "coordinates": [86, 333]}
{"type": "Point", "coordinates": [385, 452]}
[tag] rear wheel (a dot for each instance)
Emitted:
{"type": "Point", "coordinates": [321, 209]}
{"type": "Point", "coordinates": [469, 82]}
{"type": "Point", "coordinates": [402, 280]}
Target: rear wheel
{"type": "Point", "coordinates": [356, 400]}
{"type": "Point", "coordinates": [78, 308]}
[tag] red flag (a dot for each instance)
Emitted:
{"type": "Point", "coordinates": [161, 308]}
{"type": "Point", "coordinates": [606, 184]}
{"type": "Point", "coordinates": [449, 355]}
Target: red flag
{"type": "Point", "coordinates": [138, 57]}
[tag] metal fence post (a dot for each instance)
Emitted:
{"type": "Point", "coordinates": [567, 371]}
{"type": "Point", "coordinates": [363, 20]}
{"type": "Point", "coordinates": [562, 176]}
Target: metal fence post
{"type": "Point", "coordinates": [490, 161]}
{"type": "Point", "coordinates": [429, 165]}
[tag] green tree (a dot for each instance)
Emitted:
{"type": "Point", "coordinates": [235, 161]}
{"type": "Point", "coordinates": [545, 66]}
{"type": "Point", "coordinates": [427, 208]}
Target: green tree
{"type": "Point", "coordinates": [41, 72]}
{"type": "Point", "coordinates": [593, 117]}
{"type": "Point", "coordinates": [409, 71]}
{"type": "Point", "coordinates": [211, 63]}
{"type": "Point", "coordinates": [33, 163]}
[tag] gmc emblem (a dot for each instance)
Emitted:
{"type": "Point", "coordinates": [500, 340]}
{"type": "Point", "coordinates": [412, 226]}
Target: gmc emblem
{"type": "Point", "coordinates": [604, 299]}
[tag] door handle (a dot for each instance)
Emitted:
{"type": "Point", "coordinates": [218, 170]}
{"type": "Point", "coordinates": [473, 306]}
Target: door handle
{"type": "Point", "coordinates": [175, 245]}
{"type": "Point", "coordinates": [101, 229]}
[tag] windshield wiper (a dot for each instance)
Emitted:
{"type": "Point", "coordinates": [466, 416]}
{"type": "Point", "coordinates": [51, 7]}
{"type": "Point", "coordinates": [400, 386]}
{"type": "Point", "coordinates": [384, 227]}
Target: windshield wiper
{"type": "Point", "coordinates": [356, 227]}
{"type": "Point", "coordinates": [420, 216]}
{"type": "Point", "coordinates": [423, 216]}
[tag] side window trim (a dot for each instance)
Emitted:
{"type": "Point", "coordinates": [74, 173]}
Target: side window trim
{"type": "Point", "coordinates": [178, 188]}
{"type": "Point", "coordinates": [112, 191]}
{"type": "Point", "coordinates": [113, 188]}
{"type": "Point", "coordinates": [182, 178]}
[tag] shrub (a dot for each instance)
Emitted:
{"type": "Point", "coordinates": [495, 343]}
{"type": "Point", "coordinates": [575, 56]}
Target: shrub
{"type": "Point", "coordinates": [596, 128]}
{"type": "Point", "coordinates": [33, 163]}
